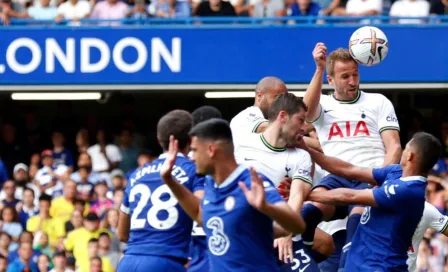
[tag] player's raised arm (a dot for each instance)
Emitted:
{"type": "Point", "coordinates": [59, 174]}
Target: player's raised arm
{"type": "Point", "coordinates": [344, 196]}
{"type": "Point", "coordinates": [279, 212]}
{"type": "Point", "coordinates": [339, 167]}
{"type": "Point", "coordinates": [389, 129]}
{"type": "Point", "coordinates": [187, 200]}
{"type": "Point", "coordinates": [312, 94]}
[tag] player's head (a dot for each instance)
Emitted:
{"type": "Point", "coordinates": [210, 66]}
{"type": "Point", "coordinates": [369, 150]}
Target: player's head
{"type": "Point", "coordinates": [177, 123]}
{"type": "Point", "coordinates": [342, 74]}
{"type": "Point", "coordinates": [266, 91]}
{"type": "Point", "coordinates": [211, 142]}
{"type": "Point", "coordinates": [288, 112]}
{"type": "Point", "coordinates": [421, 153]}
{"type": "Point", "coordinates": [205, 113]}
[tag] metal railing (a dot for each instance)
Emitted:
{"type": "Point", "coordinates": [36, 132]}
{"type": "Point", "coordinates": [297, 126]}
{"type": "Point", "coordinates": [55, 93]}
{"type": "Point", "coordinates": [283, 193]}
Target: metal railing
{"type": "Point", "coordinates": [303, 21]}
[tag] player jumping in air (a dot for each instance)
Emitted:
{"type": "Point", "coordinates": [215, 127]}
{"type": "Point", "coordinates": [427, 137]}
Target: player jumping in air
{"type": "Point", "coordinates": [357, 127]}
{"type": "Point", "coordinates": [269, 154]}
{"type": "Point", "coordinates": [157, 230]}
{"type": "Point", "coordinates": [394, 209]}
{"type": "Point", "coordinates": [238, 208]}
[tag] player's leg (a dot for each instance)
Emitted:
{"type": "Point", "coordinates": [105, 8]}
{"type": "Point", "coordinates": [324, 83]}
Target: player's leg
{"type": "Point", "coordinates": [354, 218]}
{"type": "Point", "coordinates": [323, 246]}
{"type": "Point", "coordinates": [331, 264]}
{"type": "Point", "coordinates": [313, 213]}
{"type": "Point", "coordinates": [302, 262]}
{"type": "Point", "coordinates": [130, 263]}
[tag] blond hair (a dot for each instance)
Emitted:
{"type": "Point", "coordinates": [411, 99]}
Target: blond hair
{"type": "Point", "coordinates": [339, 54]}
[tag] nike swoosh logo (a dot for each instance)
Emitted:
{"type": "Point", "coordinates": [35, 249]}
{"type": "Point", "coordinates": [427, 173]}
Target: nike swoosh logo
{"type": "Point", "coordinates": [303, 269]}
{"type": "Point", "coordinates": [325, 111]}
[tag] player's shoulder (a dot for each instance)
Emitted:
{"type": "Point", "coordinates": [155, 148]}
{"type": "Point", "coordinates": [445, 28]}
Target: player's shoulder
{"type": "Point", "coordinates": [299, 153]}
{"type": "Point", "coordinates": [250, 114]}
{"type": "Point", "coordinates": [374, 99]}
{"type": "Point", "coordinates": [430, 211]}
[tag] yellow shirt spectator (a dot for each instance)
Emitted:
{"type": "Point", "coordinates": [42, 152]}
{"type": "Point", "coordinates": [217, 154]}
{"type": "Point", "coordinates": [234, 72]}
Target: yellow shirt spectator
{"type": "Point", "coordinates": [53, 227]}
{"type": "Point", "coordinates": [84, 265]}
{"type": "Point", "coordinates": [63, 209]}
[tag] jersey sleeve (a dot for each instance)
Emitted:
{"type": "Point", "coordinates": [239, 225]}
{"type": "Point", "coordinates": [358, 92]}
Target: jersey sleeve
{"type": "Point", "coordinates": [387, 119]}
{"type": "Point", "coordinates": [381, 174]}
{"type": "Point", "coordinates": [390, 196]}
{"type": "Point", "coordinates": [436, 220]}
{"type": "Point", "coordinates": [272, 195]}
{"type": "Point", "coordinates": [304, 167]}
{"type": "Point", "coordinates": [125, 203]}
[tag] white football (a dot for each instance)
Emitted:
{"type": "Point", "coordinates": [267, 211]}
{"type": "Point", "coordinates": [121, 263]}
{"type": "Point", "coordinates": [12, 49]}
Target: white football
{"type": "Point", "coordinates": [368, 45]}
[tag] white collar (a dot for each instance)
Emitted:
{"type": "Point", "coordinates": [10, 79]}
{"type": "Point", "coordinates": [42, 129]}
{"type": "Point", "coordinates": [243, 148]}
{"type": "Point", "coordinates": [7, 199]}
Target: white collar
{"type": "Point", "coordinates": [164, 155]}
{"type": "Point", "coordinates": [420, 178]}
{"type": "Point", "coordinates": [232, 177]}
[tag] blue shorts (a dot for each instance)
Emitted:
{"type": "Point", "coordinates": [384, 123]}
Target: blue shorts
{"type": "Point", "coordinates": [145, 263]}
{"type": "Point", "coordinates": [334, 182]}
{"type": "Point", "coordinates": [302, 260]}
{"type": "Point", "coordinates": [199, 255]}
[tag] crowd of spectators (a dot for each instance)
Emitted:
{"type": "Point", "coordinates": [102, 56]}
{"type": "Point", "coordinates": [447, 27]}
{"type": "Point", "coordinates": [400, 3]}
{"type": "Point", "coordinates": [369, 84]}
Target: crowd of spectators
{"type": "Point", "coordinates": [75, 10]}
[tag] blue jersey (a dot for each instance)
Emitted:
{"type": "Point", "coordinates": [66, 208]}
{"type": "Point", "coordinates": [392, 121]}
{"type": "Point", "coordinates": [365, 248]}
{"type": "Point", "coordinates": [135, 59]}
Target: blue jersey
{"type": "Point", "coordinates": [239, 237]}
{"type": "Point", "coordinates": [159, 226]}
{"type": "Point", "coordinates": [385, 233]}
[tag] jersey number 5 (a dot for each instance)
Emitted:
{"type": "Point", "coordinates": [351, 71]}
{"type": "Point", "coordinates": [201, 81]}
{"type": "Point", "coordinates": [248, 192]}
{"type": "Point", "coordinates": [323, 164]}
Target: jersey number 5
{"type": "Point", "coordinates": [157, 205]}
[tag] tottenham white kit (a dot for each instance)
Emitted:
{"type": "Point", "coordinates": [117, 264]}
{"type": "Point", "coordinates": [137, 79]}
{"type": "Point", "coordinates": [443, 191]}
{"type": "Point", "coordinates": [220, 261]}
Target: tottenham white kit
{"type": "Point", "coordinates": [351, 130]}
{"type": "Point", "coordinates": [275, 163]}
{"type": "Point", "coordinates": [246, 122]}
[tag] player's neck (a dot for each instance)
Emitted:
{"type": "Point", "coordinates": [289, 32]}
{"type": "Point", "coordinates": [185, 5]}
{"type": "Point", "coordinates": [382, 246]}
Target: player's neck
{"type": "Point", "coordinates": [272, 136]}
{"type": "Point", "coordinates": [409, 172]}
{"type": "Point", "coordinates": [224, 169]}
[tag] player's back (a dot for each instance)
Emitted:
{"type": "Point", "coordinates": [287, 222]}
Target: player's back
{"type": "Point", "coordinates": [275, 163]}
{"type": "Point", "coordinates": [351, 130]}
{"type": "Point", "coordinates": [159, 226]}
{"type": "Point", "coordinates": [245, 122]}
{"type": "Point", "coordinates": [385, 232]}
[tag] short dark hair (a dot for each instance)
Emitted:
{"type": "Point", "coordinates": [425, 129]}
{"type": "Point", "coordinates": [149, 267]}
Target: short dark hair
{"type": "Point", "coordinates": [286, 102]}
{"type": "Point", "coordinates": [45, 197]}
{"type": "Point", "coordinates": [29, 189]}
{"type": "Point", "coordinates": [212, 129]}
{"type": "Point", "coordinates": [93, 240]}
{"type": "Point", "coordinates": [79, 201]}
{"type": "Point", "coordinates": [429, 150]}
{"type": "Point", "coordinates": [176, 123]}
{"type": "Point", "coordinates": [205, 113]}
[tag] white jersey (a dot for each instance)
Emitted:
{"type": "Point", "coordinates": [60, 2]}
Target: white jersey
{"type": "Point", "coordinates": [431, 218]}
{"type": "Point", "coordinates": [246, 122]}
{"type": "Point", "coordinates": [275, 163]}
{"type": "Point", "coordinates": [351, 130]}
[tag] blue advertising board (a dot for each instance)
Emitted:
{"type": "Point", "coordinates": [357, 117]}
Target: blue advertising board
{"type": "Point", "coordinates": [209, 55]}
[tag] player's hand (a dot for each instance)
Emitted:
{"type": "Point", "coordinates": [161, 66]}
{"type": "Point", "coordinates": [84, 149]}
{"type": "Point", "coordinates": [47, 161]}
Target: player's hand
{"type": "Point", "coordinates": [301, 143]}
{"type": "Point", "coordinates": [168, 164]}
{"type": "Point", "coordinates": [320, 55]}
{"type": "Point", "coordinates": [256, 196]}
{"type": "Point", "coordinates": [285, 251]}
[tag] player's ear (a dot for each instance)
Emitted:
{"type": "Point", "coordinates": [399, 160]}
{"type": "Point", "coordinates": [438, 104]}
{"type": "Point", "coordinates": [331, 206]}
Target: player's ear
{"type": "Point", "coordinates": [330, 80]}
{"type": "Point", "coordinates": [211, 149]}
{"type": "Point", "coordinates": [282, 116]}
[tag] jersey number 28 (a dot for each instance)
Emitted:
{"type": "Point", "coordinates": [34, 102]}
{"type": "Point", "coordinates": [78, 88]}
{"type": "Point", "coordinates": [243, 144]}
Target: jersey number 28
{"type": "Point", "coordinates": [157, 205]}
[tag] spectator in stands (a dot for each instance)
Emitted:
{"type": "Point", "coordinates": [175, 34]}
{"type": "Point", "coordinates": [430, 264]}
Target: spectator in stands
{"type": "Point", "coordinates": [44, 222]}
{"type": "Point", "coordinates": [409, 8]}
{"type": "Point", "coordinates": [96, 265]}
{"type": "Point", "coordinates": [27, 208]}
{"type": "Point", "coordinates": [24, 262]}
{"type": "Point", "coordinates": [77, 241]}
{"type": "Point", "coordinates": [105, 156]}
{"type": "Point", "coordinates": [93, 251]}
{"type": "Point", "coordinates": [439, 7]}
{"type": "Point", "coordinates": [3, 172]}
{"type": "Point", "coordinates": [118, 182]}
{"type": "Point", "coordinates": [140, 10]}
{"type": "Point", "coordinates": [73, 10]}
{"type": "Point", "coordinates": [22, 182]}
{"type": "Point", "coordinates": [85, 161]}
{"type": "Point", "coordinates": [25, 237]}
{"type": "Point", "coordinates": [84, 187]}
{"type": "Point", "coordinates": [102, 203]}
{"type": "Point", "coordinates": [118, 198]}
{"type": "Point", "coordinates": [82, 141]}
{"type": "Point", "coordinates": [267, 8]}
{"type": "Point", "coordinates": [144, 157]}
{"type": "Point", "coordinates": [63, 206]}
{"type": "Point", "coordinates": [75, 222]}
{"type": "Point", "coordinates": [360, 8]}
{"type": "Point", "coordinates": [128, 152]}
{"type": "Point", "coordinates": [215, 8]}
{"type": "Point", "coordinates": [42, 243]}
{"type": "Point", "coordinates": [49, 178]}
{"type": "Point", "coordinates": [3, 263]}
{"type": "Point", "coordinates": [43, 263]}
{"type": "Point", "coordinates": [60, 262]}
{"type": "Point", "coordinates": [61, 154]}
{"type": "Point", "coordinates": [10, 224]}
{"type": "Point", "coordinates": [111, 223]}
{"type": "Point", "coordinates": [105, 250]}
{"type": "Point", "coordinates": [43, 11]}
{"type": "Point", "coordinates": [34, 166]}
{"type": "Point", "coordinates": [5, 242]}
{"type": "Point", "coordinates": [303, 8]}
{"type": "Point", "coordinates": [12, 151]}
{"type": "Point", "coordinates": [166, 9]}
{"type": "Point", "coordinates": [9, 200]}
{"type": "Point", "coordinates": [110, 10]}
